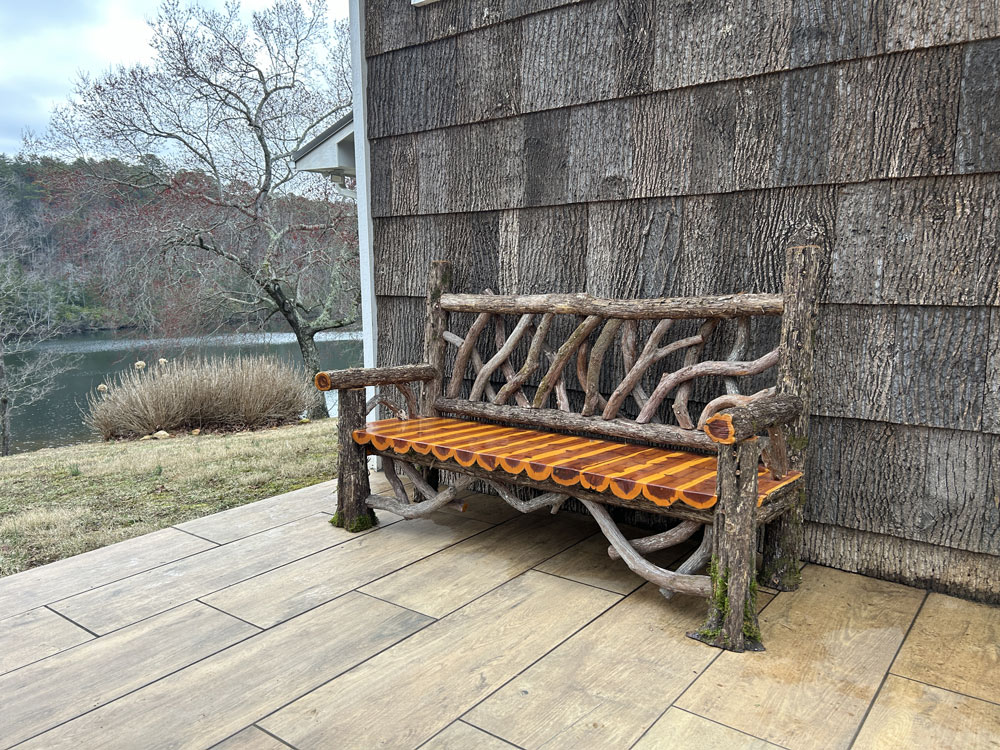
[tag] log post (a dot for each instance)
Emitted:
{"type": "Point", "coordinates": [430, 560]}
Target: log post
{"type": "Point", "coordinates": [732, 608]}
{"type": "Point", "coordinates": [352, 466]}
{"type": "Point", "coordinates": [438, 284]}
{"type": "Point", "coordinates": [783, 536]}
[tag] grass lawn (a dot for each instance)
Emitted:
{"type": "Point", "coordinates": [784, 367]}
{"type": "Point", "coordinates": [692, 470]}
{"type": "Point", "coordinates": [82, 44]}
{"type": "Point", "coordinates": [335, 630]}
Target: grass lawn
{"type": "Point", "coordinates": [59, 502]}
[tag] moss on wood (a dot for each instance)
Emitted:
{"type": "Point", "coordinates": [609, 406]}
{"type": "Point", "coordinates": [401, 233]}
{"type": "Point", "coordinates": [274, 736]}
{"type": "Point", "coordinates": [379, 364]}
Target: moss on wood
{"type": "Point", "coordinates": [362, 523]}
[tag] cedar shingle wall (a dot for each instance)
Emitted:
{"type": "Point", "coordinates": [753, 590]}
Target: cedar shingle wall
{"type": "Point", "coordinates": [655, 147]}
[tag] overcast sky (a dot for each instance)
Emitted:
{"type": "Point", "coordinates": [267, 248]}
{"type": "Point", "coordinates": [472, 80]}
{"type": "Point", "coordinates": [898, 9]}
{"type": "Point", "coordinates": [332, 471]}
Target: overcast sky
{"type": "Point", "coordinates": [45, 43]}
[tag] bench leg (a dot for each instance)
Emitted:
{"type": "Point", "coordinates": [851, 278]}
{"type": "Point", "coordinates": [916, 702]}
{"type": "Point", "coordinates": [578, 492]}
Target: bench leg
{"type": "Point", "coordinates": [782, 547]}
{"type": "Point", "coordinates": [732, 607]}
{"type": "Point", "coordinates": [353, 488]}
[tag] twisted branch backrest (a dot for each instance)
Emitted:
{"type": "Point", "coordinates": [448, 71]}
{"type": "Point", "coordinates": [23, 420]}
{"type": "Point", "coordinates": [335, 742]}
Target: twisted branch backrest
{"type": "Point", "coordinates": [608, 358]}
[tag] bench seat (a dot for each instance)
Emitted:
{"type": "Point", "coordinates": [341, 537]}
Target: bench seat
{"type": "Point", "coordinates": [660, 475]}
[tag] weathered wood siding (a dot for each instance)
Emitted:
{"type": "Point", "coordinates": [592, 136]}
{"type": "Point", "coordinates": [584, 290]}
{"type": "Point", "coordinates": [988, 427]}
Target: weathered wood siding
{"type": "Point", "coordinates": [675, 147]}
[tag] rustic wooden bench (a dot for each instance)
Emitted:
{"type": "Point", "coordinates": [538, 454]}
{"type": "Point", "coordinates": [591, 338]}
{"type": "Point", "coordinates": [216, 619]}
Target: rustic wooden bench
{"type": "Point", "coordinates": [608, 441]}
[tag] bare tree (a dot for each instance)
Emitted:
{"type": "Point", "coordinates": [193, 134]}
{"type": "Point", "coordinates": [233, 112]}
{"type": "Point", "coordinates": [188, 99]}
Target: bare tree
{"type": "Point", "coordinates": [208, 130]}
{"type": "Point", "coordinates": [29, 305]}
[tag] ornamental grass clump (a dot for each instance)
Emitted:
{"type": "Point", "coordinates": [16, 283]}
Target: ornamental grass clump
{"type": "Point", "coordinates": [218, 394]}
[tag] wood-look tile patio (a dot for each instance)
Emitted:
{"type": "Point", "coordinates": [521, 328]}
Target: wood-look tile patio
{"type": "Point", "coordinates": [265, 627]}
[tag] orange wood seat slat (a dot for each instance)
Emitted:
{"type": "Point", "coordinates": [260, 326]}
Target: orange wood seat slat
{"type": "Point", "coordinates": [659, 475]}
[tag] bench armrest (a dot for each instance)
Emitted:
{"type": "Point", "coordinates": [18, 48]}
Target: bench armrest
{"type": "Point", "coordinates": [360, 377]}
{"type": "Point", "coordinates": [741, 422]}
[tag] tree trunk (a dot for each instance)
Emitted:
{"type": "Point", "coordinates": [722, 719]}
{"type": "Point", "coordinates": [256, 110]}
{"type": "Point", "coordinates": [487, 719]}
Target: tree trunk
{"type": "Point", "coordinates": [4, 407]}
{"type": "Point", "coordinates": [305, 336]}
{"type": "Point", "coordinates": [4, 426]}
{"type": "Point", "coordinates": [310, 358]}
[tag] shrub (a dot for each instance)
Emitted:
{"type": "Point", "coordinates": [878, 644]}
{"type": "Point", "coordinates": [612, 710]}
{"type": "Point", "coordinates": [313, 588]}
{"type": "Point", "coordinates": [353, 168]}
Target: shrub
{"type": "Point", "coordinates": [227, 393]}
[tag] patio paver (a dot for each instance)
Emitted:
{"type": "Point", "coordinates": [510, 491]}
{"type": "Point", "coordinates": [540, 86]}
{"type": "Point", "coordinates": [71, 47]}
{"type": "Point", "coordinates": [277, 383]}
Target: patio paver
{"type": "Point", "coordinates": [64, 578]}
{"type": "Point", "coordinates": [207, 702]}
{"type": "Point", "coordinates": [462, 736]}
{"type": "Point", "coordinates": [955, 644]}
{"type": "Point", "coordinates": [828, 649]}
{"type": "Point", "coordinates": [680, 730]}
{"type": "Point", "coordinates": [123, 602]}
{"type": "Point", "coordinates": [607, 684]}
{"type": "Point", "coordinates": [407, 694]}
{"type": "Point", "coordinates": [244, 520]}
{"type": "Point", "coordinates": [251, 738]}
{"type": "Point", "coordinates": [299, 586]}
{"type": "Point", "coordinates": [909, 714]}
{"type": "Point", "coordinates": [545, 657]}
{"type": "Point", "coordinates": [54, 690]}
{"type": "Point", "coordinates": [467, 570]}
{"type": "Point", "coordinates": [33, 635]}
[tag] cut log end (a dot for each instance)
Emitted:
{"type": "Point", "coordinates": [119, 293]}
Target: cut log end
{"type": "Point", "coordinates": [721, 429]}
{"type": "Point", "coordinates": [323, 381]}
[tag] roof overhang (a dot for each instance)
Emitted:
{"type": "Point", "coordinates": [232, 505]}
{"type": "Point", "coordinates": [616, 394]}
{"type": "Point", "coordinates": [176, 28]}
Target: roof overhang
{"type": "Point", "coordinates": [331, 152]}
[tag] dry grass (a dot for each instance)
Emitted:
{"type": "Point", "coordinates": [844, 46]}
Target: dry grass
{"type": "Point", "coordinates": [63, 501]}
{"type": "Point", "coordinates": [227, 393]}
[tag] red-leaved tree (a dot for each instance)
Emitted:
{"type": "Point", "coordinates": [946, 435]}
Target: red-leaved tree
{"type": "Point", "coordinates": [184, 167]}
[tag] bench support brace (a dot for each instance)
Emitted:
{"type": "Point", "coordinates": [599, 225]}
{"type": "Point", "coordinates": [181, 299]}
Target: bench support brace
{"type": "Point", "coordinates": [732, 609]}
{"type": "Point", "coordinates": [549, 499]}
{"type": "Point", "coordinates": [665, 579]}
{"type": "Point", "coordinates": [782, 542]}
{"type": "Point", "coordinates": [698, 560]}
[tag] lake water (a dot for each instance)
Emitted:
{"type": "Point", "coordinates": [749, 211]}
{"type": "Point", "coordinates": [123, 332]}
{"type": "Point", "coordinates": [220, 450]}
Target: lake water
{"type": "Point", "coordinates": [58, 418]}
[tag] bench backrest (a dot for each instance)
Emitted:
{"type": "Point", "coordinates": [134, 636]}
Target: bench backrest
{"type": "Point", "coordinates": [653, 368]}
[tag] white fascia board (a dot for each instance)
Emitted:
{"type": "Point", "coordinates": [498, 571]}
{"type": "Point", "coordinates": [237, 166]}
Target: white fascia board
{"type": "Point", "coordinates": [422, 2]}
{"type": "Point", "coordinates": [362, 160]}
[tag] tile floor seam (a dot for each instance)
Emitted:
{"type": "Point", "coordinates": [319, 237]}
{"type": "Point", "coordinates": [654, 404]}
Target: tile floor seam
{"type": "Point", "coordinates": [344, 671]}
{"type": "Point", "coordinates": [185, 557]}
{"type": "Point", "coordinates": [57, 653]}
{"type": "Point", "coordinates": [621, 598]}
{"type": "Point", "coordinates": [464, 715]}
{"type": "Point", "coordinates": [448, 726]}
{"type": "Point", "coordinates": [888, 670]}
{"type": "Point", "coordinates": [401, 606]}
{"type": "Point", "coordinates": [198, 536]}
{"type": "Point", "coordinates": [143, 619]}
{"type": "Point", "coordinates": [297, 520]}
{"type": "Point", "coordinates": [137, 689]}
{"type": "Point", "coordinates": [446, 614]}
{"type": "Point", "coordinates": [947, 690]}
{"type": "Point", "coordinates": [108, 583]}
{"type": "Point", "coordinates": [486, 731]}
{"type": "Point", "coordinates": [284, 742]}
{"type": "Point", "coordinates": [230, 614]}
{"type": "Point", "coordinates": [586, 583]}
{"type": "Point", "coordinates": [673, 703]}
{"type": "Point", "coordinates": [358, 535]}
{"type": "Point", "coordinates": [427, 625]}
{"type": "Point", "coordinates": [228, 585]}
{"type": "Point", "coordinates": [723, 724]}
{"type": "Point", "coordinates": [243, 729]}
{"type": "Point", "coordinates": [70, 620]}
{"type": "Point", "coordinates": [311, 609]}
{"type": "Point", "coordinates": [356, 589]}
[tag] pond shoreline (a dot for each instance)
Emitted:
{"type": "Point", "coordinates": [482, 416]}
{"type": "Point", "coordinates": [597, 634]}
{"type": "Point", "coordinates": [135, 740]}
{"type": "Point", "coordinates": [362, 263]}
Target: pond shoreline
{"type": "Point", "coordinates": [57, 420]}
